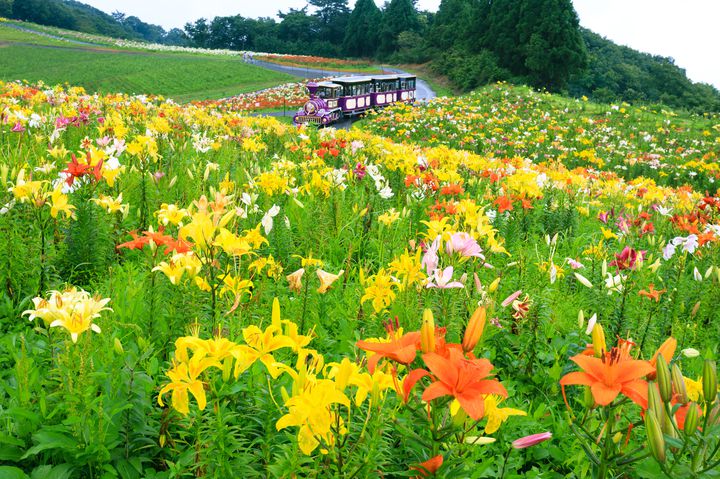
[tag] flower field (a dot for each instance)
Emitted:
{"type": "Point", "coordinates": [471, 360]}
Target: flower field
{"type": "Point", "coordinates": [506, 122]}
{"type": "Point", "coordinates": [302, 61]}
{"type": "Point", "coordinates": [288, 95]}
{"type": "Point", "coordinates": [502, 285]}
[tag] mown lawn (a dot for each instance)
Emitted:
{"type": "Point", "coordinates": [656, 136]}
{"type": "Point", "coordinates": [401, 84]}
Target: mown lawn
{"type": "Point", "coordinates": [183, 77]}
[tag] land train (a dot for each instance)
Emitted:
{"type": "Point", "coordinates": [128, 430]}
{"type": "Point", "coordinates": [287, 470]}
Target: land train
{"type": "Point", "coordinates": [348, 96]}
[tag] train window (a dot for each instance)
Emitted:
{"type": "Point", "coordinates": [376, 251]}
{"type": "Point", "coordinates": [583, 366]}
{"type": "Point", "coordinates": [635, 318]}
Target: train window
{"type": "Point", "coordinates": [327, 92]}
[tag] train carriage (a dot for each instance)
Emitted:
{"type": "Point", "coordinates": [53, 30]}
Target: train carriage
{"type": "Point", "coordinates": [357, 94]}
{"type": "Point", "coordinates": [352, 95]}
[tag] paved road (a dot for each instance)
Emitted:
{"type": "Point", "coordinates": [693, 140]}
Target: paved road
{"type": "Point", "coordinates": [424, 92]}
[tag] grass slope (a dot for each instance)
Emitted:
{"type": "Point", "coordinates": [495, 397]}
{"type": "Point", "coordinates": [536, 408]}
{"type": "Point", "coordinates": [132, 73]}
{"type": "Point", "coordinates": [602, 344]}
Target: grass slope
{"type": "Point", "coordinates": [183, 77]}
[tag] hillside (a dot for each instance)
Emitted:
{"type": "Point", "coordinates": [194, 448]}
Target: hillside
{"type": "Point", "coordinates": [81, 17]}
{"type": "Point", "coordinates": [617, 72]}
{"type": "Point", "coordinates": [183, 76]}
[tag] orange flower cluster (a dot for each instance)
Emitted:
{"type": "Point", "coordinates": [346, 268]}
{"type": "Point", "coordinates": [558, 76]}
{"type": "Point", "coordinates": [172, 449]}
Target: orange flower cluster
{"type": "Point", "coordinates": [453, 370]}
{"type": "Point", "coordinates": [172, 245]}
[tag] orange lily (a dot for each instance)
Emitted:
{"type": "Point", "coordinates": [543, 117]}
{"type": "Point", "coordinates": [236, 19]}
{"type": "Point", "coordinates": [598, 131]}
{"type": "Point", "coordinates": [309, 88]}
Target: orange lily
{"type": "Point", "coordinates": [464, 379]}
{"type": "Point", "coordinates": [403, 350]}
{"type": "Point", "coordinates": [612, 374]}
{"type": "Point", "coordinates": [652, 293]}
{"type": "Point", "coordinates": [428, 467]}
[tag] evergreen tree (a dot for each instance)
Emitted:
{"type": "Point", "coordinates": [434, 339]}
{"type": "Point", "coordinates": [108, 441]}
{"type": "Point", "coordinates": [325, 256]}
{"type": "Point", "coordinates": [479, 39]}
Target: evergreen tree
{"type": "Point", "coordinates": [332, 17]}
{"type": "Point", "coordinates": [451, 24]}
{"type": "Point", "coordinates": [554, 49]}
{"type": "Point", "coordinates": [500, 32]}
{"type": "Point", "coordinates": [6, 8]}
{"type": "Point", "coordinates": [361, 34]}
{"type": "Point", "coordinates": [399, 16]}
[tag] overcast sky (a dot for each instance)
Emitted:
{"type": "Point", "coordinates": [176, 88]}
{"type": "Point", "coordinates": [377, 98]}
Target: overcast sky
{"type": "Point", "coordinates": [685, 30]}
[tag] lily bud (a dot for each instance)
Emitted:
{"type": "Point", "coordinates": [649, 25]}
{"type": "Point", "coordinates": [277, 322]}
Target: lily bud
{"type": "Point", "coordinates": [695, 309]}
{"type": "Point", "coordinates": [692, 419]}
{"type": "Point", "coordinates": [656, 441]}
{"type": "Point", "coordinates": [598, 340]}
{"type": "Point", "coordinates": [118, 347]}
{"type": "Point", "coordinates": [668, 426]}
{"type": "Point", "coordinates": [714, 416]}
{"type": "Point", "coordinates": [227, 368]}
{"type": "Point", "coordinates": [494, 285]}
{"type": "Point", "coordinates": [678, 382]}
{"type": "Point", "coordinates": [478, 284]}
{"type": "Point", "coordinates": [655, 403]}
{"type": "Point", "coordinates": [276, 314]}
{"type": "Point", "coordinates": [663, 379]}
{"type": "Point", "coordinates": [427, 332]}
{"type": "Point", "coordinates": [709, 381]}
{"type": "Point", "coordinates": [474, 329]}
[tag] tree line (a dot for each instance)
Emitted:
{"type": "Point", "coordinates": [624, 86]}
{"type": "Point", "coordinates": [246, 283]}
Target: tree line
{"type": "Point", "coordinates": [472, 42]}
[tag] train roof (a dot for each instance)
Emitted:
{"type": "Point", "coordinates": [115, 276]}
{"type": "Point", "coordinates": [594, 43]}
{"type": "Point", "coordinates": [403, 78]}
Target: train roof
{"type": "Point", "coordinates": [354, 79]}
{"type": "Point", "coordinates": [385, 77]}
{"type": "Point", "coordinates": [365, 79]}
{"type": "Point", "coordinates": [328, 84]}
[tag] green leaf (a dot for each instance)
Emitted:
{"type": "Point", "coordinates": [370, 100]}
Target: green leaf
{"type": "Point", "coordinates": [46, 440]}
{"type": "Point", "coordinates": [9, 472]}
{"type": "Point", "coordinates": [61, 471]}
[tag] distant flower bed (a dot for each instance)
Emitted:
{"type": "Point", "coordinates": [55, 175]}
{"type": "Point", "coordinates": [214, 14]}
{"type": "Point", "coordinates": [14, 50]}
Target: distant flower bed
{"type": "Point", "coordinates": [289, 95]}
{"type": "Point", "coordinates": [316, 62]}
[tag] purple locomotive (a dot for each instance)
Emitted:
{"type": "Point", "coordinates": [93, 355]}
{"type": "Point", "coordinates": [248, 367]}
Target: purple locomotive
{"type": "Point", "coordinates": [348, 96]}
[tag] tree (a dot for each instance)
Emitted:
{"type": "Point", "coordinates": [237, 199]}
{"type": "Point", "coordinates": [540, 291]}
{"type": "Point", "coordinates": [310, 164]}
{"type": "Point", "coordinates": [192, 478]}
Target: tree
{"type": "Point", "coordinates": [198, 33]}
{"type": "Point", "coordinates": [175, 36]}
{"type": "Point", "coordinates": [361, 34]}
{"type": "Point", "coordinates": [298, 26]}
{"type": "Point", "coordinates": [553, 46]}
{"type": "Point", "coordinates": [332, 17]}
{"type": "Point", "coordinates": [451, 24]}
{"type": "Point", "coordinates": [399, 16]}
{"type": "Point", "coordinates": [118, 16]}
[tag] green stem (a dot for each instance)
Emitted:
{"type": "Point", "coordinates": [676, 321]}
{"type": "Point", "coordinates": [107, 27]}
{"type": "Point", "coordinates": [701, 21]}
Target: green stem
{"type": "Point", "coordinates": [607, 447]}
{"type": "Point", "coordinates": [304, 309]}
{"type": "Point", "coordinates": [504, 465]}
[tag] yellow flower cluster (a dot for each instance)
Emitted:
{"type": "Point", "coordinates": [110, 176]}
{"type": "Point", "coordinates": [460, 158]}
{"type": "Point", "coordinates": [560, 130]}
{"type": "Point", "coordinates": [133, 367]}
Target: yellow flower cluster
{"type": "Point", "coordinates": [72, 309]}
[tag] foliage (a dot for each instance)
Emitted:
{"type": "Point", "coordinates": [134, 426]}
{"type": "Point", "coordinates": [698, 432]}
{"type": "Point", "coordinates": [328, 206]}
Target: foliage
{"type": "Point", "coordinates": [190, 292]}
{"type": "Point", "coordinates": [361, 35]}
{"type": "Point", "coordinates": [620, 73]}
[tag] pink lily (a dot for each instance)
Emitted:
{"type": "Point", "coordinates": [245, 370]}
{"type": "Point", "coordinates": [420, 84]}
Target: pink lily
{"type": "Point", "coordinates": [430, 260]}
{"type": "Point", "coordinates": [531, 440]}
{"type": "Point", "coordinates": [508, 301]}
{"type": "Point", "coordinates": [443, 279]}
{"type": "Point", "coordinates": [464, 244]}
